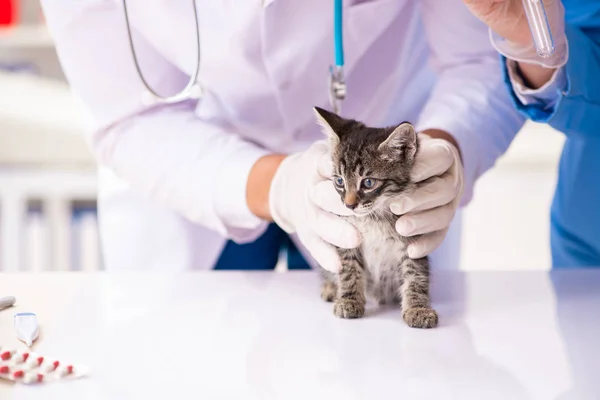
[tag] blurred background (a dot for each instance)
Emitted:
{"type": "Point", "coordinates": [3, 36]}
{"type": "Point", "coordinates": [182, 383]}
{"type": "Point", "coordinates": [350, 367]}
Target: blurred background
{"type": "Point", "coordinates": [48, 178]}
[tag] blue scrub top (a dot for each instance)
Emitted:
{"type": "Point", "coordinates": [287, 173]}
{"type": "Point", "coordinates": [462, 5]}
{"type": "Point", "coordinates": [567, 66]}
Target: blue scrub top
{"type": "Point", "coordinates": [575, 212]}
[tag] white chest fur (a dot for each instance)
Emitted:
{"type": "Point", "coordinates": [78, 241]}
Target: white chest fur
{"type": "Point", "coordinates": [382, 249]}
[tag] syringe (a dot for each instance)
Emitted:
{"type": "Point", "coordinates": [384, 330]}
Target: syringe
{"type": "Point", "coordinates": [539, 26]}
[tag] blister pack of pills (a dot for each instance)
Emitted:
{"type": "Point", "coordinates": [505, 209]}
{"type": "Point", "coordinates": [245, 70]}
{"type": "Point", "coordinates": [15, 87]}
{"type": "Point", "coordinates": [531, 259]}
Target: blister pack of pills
{"type": "Point", "coordinates": [28, 367]}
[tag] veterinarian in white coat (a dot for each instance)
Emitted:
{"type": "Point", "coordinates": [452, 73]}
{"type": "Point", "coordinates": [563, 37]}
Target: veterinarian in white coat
{"type": "Point", "coordinates": [195, 184]}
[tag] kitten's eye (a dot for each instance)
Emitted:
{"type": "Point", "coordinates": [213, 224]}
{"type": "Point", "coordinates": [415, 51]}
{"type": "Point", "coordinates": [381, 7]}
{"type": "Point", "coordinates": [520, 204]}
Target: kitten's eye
{"type": "Point", "coordinates": [368, 183]}
{"type": "Point", "coordinates": [339, 181]}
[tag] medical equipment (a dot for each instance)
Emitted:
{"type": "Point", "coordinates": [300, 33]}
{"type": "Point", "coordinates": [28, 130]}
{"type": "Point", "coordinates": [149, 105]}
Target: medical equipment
{"type": "Point", "coordinates": [6, 302]}
{"type": "Point", "coordinates": [191, 91]}
{"type": "Point", "coordinates": [337, 85]}
{"type": "Point", "coordinates": [539, 26]}
{"type": "Point", "coordinates": [25, 367]}
{"type": "Point", "coordinates": [27, 327]}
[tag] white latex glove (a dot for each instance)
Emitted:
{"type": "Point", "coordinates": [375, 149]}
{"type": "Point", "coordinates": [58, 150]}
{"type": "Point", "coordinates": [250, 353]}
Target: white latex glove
{"type": "Point", "coordinates": [302, 199]}
{"type": "Point", "coordinates": [510, 33]}
{"type": "Point", "coordinates": [429, 210]}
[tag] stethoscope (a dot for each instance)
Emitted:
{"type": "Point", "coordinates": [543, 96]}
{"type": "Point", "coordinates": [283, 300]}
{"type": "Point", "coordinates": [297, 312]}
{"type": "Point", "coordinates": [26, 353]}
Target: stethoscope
{"type": "Point", "coordinates": [193, 90]}
{"type": "Point", "coordinates": [534, 9]}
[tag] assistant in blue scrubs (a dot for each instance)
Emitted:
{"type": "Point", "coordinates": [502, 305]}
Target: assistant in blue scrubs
{"type": "Point", "coordinates": [575, 111]}
{"type": "Point", "coordinates": [575, 212]}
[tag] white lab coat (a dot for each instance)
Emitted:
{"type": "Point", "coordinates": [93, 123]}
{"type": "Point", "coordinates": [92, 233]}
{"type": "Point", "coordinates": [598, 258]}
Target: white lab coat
{"type": "Point", "coordinates": [173, 177]}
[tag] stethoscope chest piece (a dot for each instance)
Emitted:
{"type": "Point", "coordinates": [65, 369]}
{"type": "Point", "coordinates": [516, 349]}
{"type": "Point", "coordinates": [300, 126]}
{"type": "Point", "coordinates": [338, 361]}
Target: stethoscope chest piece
{"type": "Point", "coordinates": [337, 88]}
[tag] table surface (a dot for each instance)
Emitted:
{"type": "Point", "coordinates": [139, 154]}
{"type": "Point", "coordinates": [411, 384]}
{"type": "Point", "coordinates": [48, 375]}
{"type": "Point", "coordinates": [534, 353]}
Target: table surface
{"type": "Point", "coordinates": [268, 335]}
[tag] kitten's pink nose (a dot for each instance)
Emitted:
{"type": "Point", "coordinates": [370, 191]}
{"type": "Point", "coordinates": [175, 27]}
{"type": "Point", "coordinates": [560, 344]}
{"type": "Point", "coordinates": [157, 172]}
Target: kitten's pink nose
{"type": "Point", "coordinates": [351, 206]}
{"type": "Point", "coordinates": [350, 200]}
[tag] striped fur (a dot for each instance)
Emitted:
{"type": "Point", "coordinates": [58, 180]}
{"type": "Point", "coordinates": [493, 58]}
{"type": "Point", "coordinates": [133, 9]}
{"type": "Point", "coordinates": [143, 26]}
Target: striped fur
{"type": "Point", "coordinates": [371, 166]}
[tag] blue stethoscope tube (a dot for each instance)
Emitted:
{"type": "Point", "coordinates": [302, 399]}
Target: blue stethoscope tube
{"type": "Point", "coordinates": [337, 31]}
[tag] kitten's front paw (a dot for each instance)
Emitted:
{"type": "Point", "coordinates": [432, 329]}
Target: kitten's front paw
{"type": "Point", "coordinates": [346, 308]}
{"type": "Point", "coordinates": [328, 291]}
{"type": "Point", "coordinates": [420, 317]}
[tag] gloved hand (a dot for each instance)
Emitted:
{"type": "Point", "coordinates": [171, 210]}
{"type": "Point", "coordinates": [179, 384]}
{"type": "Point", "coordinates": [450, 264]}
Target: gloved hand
{"type": "Point", "coordinates": [303, 200]}
{"type": "Point", "coordinates": [510, 33]}
{"type": "Point", "coordinates": [429, 210]}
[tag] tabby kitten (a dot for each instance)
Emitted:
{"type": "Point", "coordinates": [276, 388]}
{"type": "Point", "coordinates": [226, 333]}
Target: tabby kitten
{"type": "Point", "coordinates": [372, 165]}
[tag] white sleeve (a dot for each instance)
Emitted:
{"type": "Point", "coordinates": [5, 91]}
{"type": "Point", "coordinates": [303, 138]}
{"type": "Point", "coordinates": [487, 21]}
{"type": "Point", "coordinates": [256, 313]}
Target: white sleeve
{"type": "Point", "coordinates": [548, 95]}
{"type": "Point", "coordinates": [469, 100]}
{"type": "Point", "coordinates": [166, 152]}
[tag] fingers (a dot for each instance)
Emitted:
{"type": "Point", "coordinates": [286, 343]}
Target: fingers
{"type": "Point", "coordinates": [323, 253]}
{"type": "Point", "coordinates": [320, 152]}
{"type": "Point", "coordinates": [335, 230]}
{"type": "Point", "coordinates": [324, 196]}
{"type": "Point", "coordinates": [435, 157]}
{"type": "Point", "coordinates": [440, 191]}
{"type": "Point", "coordinates": [426, 221]}
{"type": "Point", "coordinates": [325, 166]}
{"type": "Point", "coordinates": [426, 244]}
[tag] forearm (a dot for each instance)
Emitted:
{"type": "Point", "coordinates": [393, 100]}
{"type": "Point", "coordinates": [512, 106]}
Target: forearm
{"type": "Point", "coordinates": [188, 166]}
{"type": "Point", "coordinates": [165, 152]}
{"type": "Point", "coordinates": [259, 184]}
{"type": "Point", "coordinates": [569, 102]}
{"type": "Point", "coordinates": [468, 105]}
{"type": "Point", "coordinates": [535, 76]}
{"type": "Point", "coordinates": [469, 108]}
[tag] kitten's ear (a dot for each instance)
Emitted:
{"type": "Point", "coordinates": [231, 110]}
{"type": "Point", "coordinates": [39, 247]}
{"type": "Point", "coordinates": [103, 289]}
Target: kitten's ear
{"type": "Point", "coordinates": [331, 124]}
{"type": "Point", "coordinates": [402, 142]}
